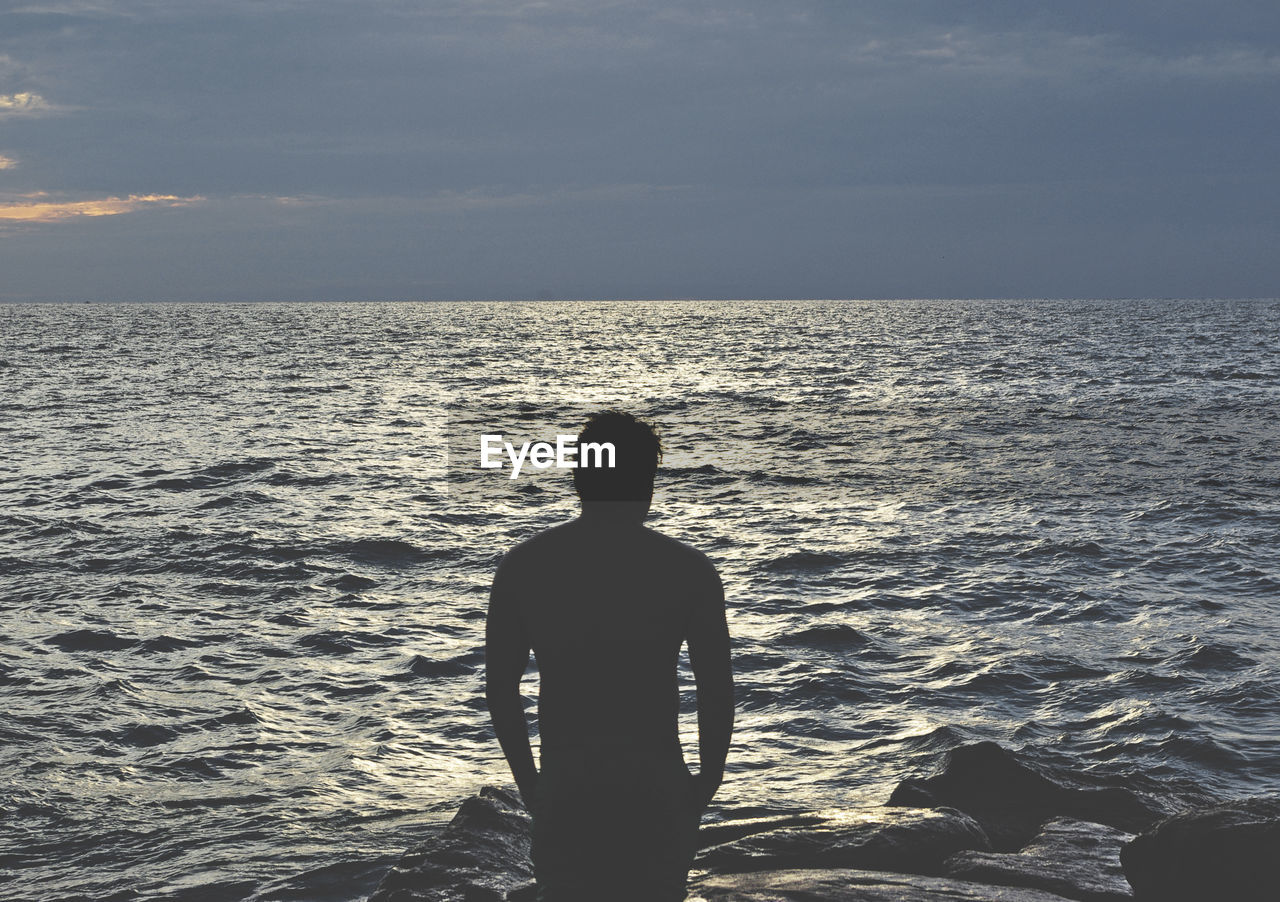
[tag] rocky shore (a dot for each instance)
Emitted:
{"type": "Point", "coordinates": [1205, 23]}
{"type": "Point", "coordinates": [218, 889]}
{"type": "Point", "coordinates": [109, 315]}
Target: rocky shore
{"type": "Point", "coordinates": [987, 826]}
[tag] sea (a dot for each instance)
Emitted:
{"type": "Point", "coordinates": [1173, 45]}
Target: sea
{"type": "Point", "coordinates": [245, 551]}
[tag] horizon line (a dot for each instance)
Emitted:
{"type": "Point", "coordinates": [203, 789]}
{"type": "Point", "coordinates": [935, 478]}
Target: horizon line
{"type": "Point", "coordinates": [640, 300]}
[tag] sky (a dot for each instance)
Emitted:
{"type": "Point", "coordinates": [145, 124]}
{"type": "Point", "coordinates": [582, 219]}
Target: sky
{"type": "Point", "coordinates": [482, 149]}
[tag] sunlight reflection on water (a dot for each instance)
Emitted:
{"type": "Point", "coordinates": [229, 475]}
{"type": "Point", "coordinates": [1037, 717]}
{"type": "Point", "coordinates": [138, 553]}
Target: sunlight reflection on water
{"type": "Point", "coordinates": [245, 597]}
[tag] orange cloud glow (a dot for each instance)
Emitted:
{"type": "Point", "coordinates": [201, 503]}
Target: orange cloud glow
{"type": "Point", "coordinates": [32, 209]}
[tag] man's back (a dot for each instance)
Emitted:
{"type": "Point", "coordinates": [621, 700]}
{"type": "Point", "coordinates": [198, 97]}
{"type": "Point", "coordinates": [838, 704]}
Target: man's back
{"type": "Point", "coordinates": [606, 608]}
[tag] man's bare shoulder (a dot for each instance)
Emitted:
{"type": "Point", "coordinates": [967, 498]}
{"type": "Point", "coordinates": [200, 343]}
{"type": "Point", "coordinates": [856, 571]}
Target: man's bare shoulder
{"type": "Point", "coordinates": [576, 538]}
{"type": "Point", "coordinates": [537, 547]}
{"type": "Point", "coordinates": [683, 556]}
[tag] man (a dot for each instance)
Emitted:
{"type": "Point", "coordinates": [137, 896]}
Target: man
{"type": "Point", "coordinates": [605, 605]}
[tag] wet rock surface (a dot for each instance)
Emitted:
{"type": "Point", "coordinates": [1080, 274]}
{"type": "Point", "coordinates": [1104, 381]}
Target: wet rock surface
{"type": "Point", "coordinates": [728, 831]}
{"type": "Point", "coordinates": [1076, 859]}
{"type": "Point", "coordinates": [907, 853]}
{"type": "Point", "coordinates": [1011, 798]}
{"type": "Point", "coordinates": [1226, 851]}
{"type": "Point", "coordinates": [913, 840]}
{"type": "Point", "coordinates": [481, 856]}
{"type": "Point", "coordinates": [854, 886]}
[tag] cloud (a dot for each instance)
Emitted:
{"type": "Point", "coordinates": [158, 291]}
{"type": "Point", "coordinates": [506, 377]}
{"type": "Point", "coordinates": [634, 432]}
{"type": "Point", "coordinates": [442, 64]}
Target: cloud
{"type": "Point", "coordinates": [1058, 54]}
{"type": "Point", "coordinates": [23, 103]}
{"type": "Point", "coordinates": [33, 208]}
{"type": "Point", "coordinates": [7, 162]}
{"type": "Point", "coordinates": [473, 148]}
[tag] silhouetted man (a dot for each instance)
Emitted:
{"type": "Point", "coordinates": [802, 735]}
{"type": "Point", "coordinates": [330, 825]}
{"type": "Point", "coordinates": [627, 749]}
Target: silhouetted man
{"type": "Point", "coordinates": [605, 604]}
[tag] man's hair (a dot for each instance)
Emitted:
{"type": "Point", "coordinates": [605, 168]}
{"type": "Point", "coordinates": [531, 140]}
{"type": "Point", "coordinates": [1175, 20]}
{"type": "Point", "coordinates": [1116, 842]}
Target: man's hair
{"type": "Point", "coordinates": [637, 451]}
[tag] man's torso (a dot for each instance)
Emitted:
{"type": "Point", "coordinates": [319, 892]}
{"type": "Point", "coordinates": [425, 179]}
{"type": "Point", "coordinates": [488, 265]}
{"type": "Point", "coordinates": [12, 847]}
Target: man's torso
{"type": "Point", "coordinates": [606, 612]}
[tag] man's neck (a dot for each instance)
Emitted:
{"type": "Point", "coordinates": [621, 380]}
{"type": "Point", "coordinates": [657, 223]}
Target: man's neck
{"type": "Point", "coordinates": [614, 514]}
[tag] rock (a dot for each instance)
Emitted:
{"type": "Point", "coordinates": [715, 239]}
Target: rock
{"type": "Point", "coordinates": [1072, 858]}
{"type": "Point", "coordinates": [728, 831]}
{"type": "Point", "coordinates": [1011, 798]}
{"type": "Point", "coordinates": [481, 856]}
{"type": "Point", "coordinates": [914, 840]}
{"type": "Point", "coordinates": [842, 885]}
{"type": "Point", "coordinates": [1227, 851]}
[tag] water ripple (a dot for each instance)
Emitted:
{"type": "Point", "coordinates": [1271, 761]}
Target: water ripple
{"type": "Point", "coordinates": [244, 605]}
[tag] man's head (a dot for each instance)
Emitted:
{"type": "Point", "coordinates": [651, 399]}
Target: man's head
{"type": "Point", "coordinates": [637, 452]}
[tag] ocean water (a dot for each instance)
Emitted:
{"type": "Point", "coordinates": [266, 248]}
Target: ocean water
{"type": "Point", "coordinates": [244, 562]}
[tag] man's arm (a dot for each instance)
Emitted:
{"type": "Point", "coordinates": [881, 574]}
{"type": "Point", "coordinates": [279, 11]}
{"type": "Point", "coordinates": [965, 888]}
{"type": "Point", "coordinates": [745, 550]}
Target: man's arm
{"type": "Point", "coordinates": [713, 674]}
{"type": "Point", "coordinates": [506, 653]}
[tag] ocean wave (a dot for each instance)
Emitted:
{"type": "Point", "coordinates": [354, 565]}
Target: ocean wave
{"type": "Point", "coordinates": [167, 643]}
{"type": "Point", "coordinates": [388, 552]}
{"type": "Point", "coordinates": [117, 687]}
{"type": "Point", "coordinates": [420, 666]}
{"type": "Point", "coordinates": [209, 768]}
{"type": "Point", "coordinates": [1212, 656]}
{"type": "Point", "coordinates": [669, 472]}
{"type": "Point", "coordinates": [1250, 697]}
{"type": "Point", "coordinates": [1001, 682]}
{"type": "Point", "coordinates": [236, 499]}
{"type": "Point", "coordinates": [785, 479]}
{"type": "Point", "coordinates": [836, 636]}
{"type": "Point", "coordinates": [939, 739]}
{"type": "Point", "coordinates": [1196, 747]}
{"type": "Point", "coordinates": [1074, 548]}
{"type": "Point", "coordinates": [805, 561]}
{"type": "Point", "coordinates": [350, 582]}
{"type": "Point", "coordinates": [343, 643]}
{"type": "Point", "coordinates": [91, 640]}
{"type": "Point", "coordinates": [8, 677]}
{"type": "Point", "coordinates": [144, 735]}
{"type": "Point", "coordinates": [234, 469]}
{"type": "Point", "coordinates": [282, 477]}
